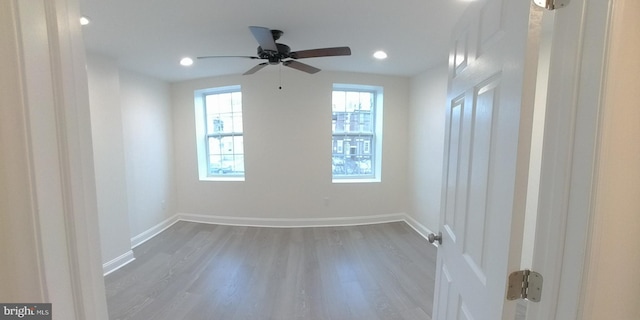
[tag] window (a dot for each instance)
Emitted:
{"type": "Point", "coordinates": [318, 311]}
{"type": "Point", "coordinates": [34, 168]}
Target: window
{"type": "Point", "coordinates": [219, 132]}
{"type": "Point", "coordinates": [355, 127]}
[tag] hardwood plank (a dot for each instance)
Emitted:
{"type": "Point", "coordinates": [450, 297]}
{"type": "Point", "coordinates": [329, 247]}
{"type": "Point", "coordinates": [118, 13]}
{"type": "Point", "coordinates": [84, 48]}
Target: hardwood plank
{"type": "Point", "coordinates": [200, 271]}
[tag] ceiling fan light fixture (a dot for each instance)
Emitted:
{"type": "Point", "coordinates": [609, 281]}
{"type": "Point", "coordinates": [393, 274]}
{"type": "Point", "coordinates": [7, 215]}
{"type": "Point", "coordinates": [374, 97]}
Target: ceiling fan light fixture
{"type": "Point", "coordinates": [280, 53]}
{"type": "Point", "coordinates": [186, 61]}
{"type": "Point", "coordinates": [380, 55]}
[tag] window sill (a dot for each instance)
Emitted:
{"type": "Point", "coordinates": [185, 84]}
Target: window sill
{"type": "Point", "coordinates": [367, 180]}
{"type": "Point", "coordinates": [221, 178]}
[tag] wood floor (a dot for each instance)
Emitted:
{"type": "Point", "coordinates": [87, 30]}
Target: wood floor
{"type": "Point", "coordinates": [201, 271]}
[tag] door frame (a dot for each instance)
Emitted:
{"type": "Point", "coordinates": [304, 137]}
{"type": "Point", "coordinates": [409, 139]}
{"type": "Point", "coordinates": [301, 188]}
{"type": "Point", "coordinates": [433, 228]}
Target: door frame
{"type": "Point", "coordinates": [570, 155]}
{"type": "Point", "coordinates": [52, 147]}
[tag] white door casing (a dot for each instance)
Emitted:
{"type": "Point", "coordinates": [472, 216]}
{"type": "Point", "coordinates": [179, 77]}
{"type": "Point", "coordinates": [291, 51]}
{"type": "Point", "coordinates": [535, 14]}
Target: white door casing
{"type": "Point", "coordinates": [579, 59]}
{"type": "Point", "coordinates": [47, 163]}
{"type": "Point", "coordinates": [487, 143]}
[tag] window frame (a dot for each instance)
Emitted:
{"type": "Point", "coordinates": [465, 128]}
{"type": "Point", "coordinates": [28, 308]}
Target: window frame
{"type": "Point", "coordinates": [372, 140]}
{"type": "Point", "coordinates": [203, 136]}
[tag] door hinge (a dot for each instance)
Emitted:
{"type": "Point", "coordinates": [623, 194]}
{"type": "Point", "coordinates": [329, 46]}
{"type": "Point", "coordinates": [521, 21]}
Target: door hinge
{"type": "Point", "coordinates": [525, 284]}
{"type": "Point", "coordinates": [551, 4]}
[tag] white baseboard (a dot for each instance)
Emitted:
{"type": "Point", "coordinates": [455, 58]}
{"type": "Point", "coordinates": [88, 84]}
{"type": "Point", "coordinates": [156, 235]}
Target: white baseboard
{"type": "Point", "coordinates": [127, 257]}
{"type": "Point", "coordinates": [292, 222]}
{"type": "Point", "coordinates": [118, 262]}
{"type": "Point", "coordinates": [261, 222]}
{"type": "Point", "coordinates": [417, 226]}
{"type": "Point", "coordinates": [153, 231]}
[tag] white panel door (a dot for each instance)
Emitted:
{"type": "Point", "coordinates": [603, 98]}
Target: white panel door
{"type": "Point", "coordinates": [486, 159]}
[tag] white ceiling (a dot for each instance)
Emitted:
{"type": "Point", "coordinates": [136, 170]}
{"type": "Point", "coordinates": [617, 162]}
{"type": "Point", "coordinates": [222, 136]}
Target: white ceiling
{"type": "Point", "coordinates": [151, 36]}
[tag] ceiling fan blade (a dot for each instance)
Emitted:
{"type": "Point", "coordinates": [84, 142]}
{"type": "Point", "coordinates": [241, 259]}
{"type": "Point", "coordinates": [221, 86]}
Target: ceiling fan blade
{"type": "Point", "coordinates": [322, 52]}
{"type": "Point", "coordinates": [255, 69]}
{"type": "Point", "coordinates": [264, 37]}
{"type": "Point", "coordinates": [209, 57]}
{"type": "Point", "coordinates": [300, 66]}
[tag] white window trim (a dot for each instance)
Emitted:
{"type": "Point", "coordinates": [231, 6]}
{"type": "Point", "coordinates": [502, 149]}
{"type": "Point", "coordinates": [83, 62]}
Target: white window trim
{"type": "Point", "coordinates": [201, 149]}
{"type": "Point", "coordinates": [378, 134]}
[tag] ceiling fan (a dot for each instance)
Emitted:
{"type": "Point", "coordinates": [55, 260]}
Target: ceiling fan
{"type": "Point", "coordinates": [276, 53]}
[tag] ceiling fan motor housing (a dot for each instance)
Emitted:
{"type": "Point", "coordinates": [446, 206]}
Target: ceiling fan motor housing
{"type": "Point", "coordinates": [274, 57]}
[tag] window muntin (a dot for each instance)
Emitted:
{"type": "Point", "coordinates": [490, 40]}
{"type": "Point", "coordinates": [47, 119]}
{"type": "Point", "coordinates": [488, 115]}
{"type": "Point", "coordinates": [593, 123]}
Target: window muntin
{"type": "Point", "coordinates": [224, 141]}
{"type": "Point", "coordinates": [354, 133]}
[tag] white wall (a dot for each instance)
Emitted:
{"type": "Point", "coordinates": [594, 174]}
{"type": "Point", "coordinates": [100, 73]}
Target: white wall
{"type": "Point", "coordinates": [614, 256]}
{"type": "Point", "coordinates": [287, 141]}
{"type": "Point", "coordinates": [133, 152]}
{"type": "Point", "coordinates": [109, 159]}
{"type": "Point", "coordinates": [148, 143]}
{"type": "Point", "coordinates": [426, 145]}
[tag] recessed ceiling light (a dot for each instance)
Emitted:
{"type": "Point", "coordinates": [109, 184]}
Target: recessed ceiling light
{"type": "Point", "coordinates": [84, 21]}
{"type": "Point", "coordinates": [380, 55]}
{"type": "Point", "coordinates": [186, 61]}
